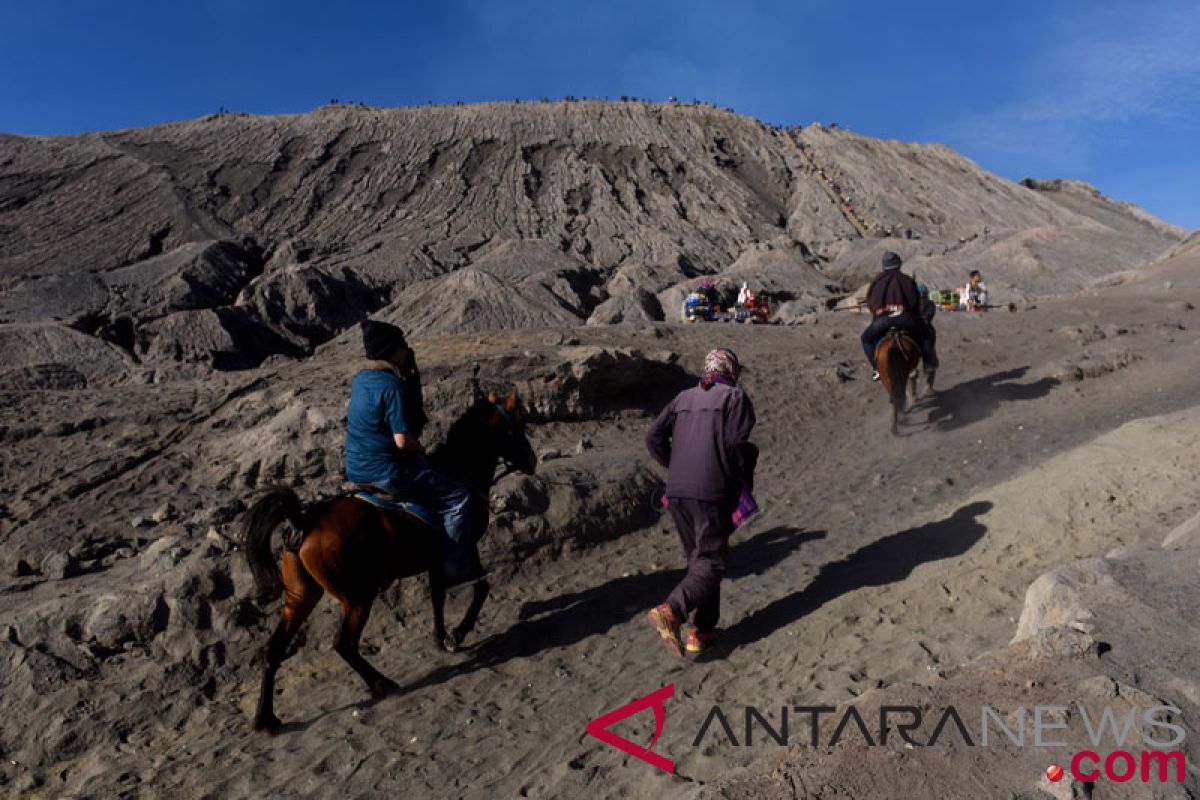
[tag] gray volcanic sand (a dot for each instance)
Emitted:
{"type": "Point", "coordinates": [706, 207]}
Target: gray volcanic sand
{"type": "Point", "coordinates": [1056, 433]}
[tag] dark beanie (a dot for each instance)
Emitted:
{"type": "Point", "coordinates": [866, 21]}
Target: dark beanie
{"type": "Point", "coordinates": [891, 260]}
{"type": "Point", "coordinates": [380, 339]}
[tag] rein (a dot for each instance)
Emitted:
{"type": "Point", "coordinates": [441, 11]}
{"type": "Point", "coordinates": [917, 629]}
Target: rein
{"type": "Point", "coordinates": [509, 468]}
{"type": "Point", "coordinates": [898, 336]}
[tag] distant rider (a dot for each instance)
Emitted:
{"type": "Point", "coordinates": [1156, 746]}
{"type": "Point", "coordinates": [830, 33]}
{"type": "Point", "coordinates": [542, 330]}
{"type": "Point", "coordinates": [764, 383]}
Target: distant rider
{"type": "Point", "coordinates": [895, 302]}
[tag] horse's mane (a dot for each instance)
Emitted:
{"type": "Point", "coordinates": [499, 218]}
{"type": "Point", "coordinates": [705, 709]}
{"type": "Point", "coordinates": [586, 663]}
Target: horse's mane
{"type": "Point", "coordinates": [461, 438]}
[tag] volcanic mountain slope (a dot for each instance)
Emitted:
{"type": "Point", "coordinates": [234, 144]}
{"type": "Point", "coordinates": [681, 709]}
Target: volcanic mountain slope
{"type": "Point", "coordinates": [227, 239]}
{"type": "Point", "coordinates": [1175, 271]}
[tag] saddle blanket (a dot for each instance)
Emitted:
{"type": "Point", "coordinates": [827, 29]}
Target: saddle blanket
{"type": "Point", "coordinates": [883, 338]}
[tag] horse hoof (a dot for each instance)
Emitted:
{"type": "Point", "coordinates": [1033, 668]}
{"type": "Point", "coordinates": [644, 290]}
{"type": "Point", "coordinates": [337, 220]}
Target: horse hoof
{"type": "Point", "coordinates": [267, 722]}
{"type": "Point", "coordinates": [383, 688]}
{"type": "Point", "coordinates": [451, 642]}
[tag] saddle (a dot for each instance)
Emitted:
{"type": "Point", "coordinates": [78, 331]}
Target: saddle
{"type": "Point", "coordinates": [413, 510]}
{"type": "Point", "coordinates": [895, 330]}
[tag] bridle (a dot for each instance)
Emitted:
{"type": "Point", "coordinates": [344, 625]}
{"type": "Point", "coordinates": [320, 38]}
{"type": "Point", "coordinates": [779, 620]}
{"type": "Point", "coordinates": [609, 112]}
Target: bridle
{"type": "Point", "coordinates": [510, 435]}
{"type": "Point", "coordinates": [509, 439]}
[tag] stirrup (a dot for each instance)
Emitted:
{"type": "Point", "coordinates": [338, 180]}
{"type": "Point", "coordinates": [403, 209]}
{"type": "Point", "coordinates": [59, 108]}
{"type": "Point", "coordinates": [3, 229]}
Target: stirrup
{"type": "Point", "coordinates": [377, 492]}
{"type": "Point", "coordinates": [462, 583]}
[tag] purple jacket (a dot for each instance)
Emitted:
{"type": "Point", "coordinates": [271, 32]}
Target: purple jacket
{"type": "Point", "coordinates": [694, 438]}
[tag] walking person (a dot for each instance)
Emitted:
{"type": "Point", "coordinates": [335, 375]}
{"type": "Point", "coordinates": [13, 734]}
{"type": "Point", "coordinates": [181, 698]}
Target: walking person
{"type": "Point", "coordinates": [701, 437]}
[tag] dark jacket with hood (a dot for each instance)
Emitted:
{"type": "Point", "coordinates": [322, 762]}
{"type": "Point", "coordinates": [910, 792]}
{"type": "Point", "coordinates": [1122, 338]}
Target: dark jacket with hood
{"type": "Point", "coordinates": [701, 438]}
{"type": "Point", "coordinates": [892, 291]}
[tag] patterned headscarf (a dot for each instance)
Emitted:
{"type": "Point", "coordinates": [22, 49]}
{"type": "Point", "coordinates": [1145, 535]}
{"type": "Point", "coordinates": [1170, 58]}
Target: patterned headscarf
{"type": "Point", "coordinates": [720, 366]}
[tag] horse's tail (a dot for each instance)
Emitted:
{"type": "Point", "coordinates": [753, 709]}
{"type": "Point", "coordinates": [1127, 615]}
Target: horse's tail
{"type": "Point", "coordinates": [262, 518]}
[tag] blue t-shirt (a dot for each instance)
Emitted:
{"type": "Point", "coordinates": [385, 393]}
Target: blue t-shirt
{"type": "Point", "coordinates": [376, 412]}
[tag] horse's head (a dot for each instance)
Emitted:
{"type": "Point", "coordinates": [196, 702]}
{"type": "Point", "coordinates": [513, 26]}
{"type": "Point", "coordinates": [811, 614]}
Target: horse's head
{"type": "Point", "coordinates": [504, 424]}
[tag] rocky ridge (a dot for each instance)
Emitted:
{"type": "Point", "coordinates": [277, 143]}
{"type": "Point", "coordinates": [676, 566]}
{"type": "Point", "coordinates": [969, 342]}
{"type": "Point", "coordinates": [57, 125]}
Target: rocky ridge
{"type": "Point", "coordinates": [226, 240]}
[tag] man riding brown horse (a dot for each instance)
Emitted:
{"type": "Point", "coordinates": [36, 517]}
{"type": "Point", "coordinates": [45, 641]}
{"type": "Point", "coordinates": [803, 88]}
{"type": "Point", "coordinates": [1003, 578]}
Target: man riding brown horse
{"type": "Point", "coordinates": [354, 545]}
{"type": "Point", "coordinates": [384, 453]}
{"type": "Point", "coordinates": [895, 302]}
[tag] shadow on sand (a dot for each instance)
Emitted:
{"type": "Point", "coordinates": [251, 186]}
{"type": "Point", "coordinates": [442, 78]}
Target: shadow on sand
{"type": "Point", "coordinates": [565, 620]}
{"type": "Point", "coordinates": [975, 400]}
{"type": "Point", "coordinates": [884, 561]}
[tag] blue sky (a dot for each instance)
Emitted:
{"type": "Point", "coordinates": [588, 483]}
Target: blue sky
{"type": "Point", "coordinates": [1102, 91]}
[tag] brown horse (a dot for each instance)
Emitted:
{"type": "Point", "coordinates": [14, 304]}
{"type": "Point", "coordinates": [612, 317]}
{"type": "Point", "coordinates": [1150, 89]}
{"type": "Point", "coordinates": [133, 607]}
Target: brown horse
{"type": "Point", "coordinates": [896, 360]}
{"type": "Point", "coordinates": [353, 549]}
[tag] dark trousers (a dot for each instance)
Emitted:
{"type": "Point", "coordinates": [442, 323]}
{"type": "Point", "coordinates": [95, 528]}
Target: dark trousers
{"type": "Point", "coordinates": [919, 329]}
{"type": "Point", "coordinates": [704, 529]}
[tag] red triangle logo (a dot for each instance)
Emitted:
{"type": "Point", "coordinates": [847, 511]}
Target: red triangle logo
{"type": "Point", "coordinates": [655, 700]}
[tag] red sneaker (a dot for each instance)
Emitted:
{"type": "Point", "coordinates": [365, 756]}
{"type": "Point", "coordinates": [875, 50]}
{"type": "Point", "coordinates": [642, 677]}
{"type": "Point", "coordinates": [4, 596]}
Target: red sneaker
{"type": "Point", "coordinates": [668, 626]}
{"type": "Point", "coordinates": [698, 641]}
